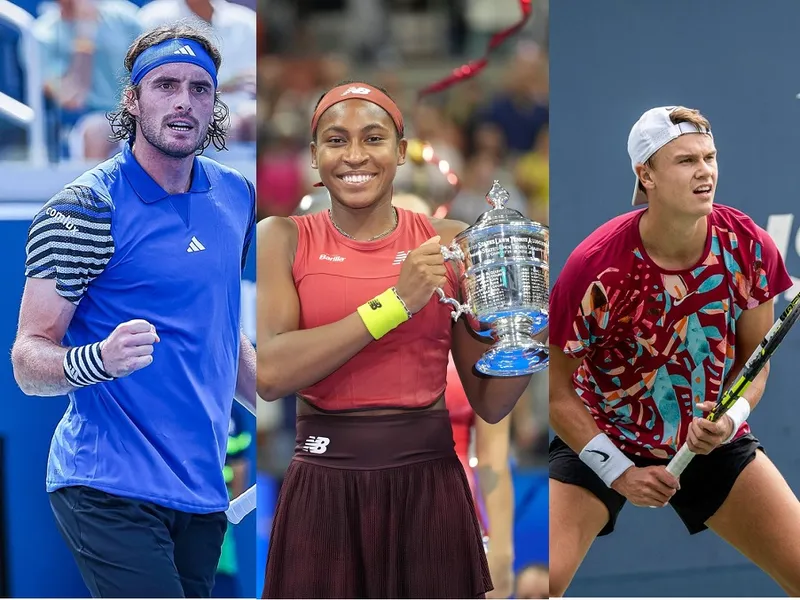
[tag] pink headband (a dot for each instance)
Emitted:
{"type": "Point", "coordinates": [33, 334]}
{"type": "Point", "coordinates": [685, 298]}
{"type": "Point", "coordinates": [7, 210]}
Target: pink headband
{"type": "Point", "coordinates": [359, 91]}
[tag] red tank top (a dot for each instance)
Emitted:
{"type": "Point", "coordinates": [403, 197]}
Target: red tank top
{"type": "Point", "coordinates": [334, 275]}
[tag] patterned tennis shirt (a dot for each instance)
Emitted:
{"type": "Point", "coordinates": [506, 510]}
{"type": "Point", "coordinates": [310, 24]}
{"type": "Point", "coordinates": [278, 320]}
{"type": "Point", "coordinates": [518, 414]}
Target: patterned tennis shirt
{"type": "Point", "coordinates": [656, 342]}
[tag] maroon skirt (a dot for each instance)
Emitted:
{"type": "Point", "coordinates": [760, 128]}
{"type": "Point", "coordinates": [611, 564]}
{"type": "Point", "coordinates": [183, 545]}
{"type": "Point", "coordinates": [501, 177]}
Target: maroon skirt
{"type": "Point", "coordinates": [376, 507]}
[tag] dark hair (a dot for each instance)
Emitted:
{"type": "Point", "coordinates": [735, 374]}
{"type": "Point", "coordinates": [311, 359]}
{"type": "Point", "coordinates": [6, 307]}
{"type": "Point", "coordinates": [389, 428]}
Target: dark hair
{"type": "Point", "coordinates": [399, 133]}
{"type": "Point", "coordinates": [123, 123]}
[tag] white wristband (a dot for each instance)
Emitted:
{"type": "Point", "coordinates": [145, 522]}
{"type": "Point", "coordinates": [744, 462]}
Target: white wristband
{"type": "Point", "coordinates": [605, 459]}
{"type": "Point", "coordinates": [738, 414]}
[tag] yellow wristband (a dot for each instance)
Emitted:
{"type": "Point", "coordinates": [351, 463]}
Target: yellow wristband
{"type": "Point", "coordinates": [383, 313]}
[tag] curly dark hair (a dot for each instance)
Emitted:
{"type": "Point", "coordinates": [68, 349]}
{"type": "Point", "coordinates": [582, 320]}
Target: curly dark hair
{"type": "Point", "coordinates": [400, 134]}
{"type": "Point", "coordinates": [123, 123]}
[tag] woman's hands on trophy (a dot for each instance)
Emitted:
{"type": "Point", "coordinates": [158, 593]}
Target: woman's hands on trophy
{"type": "Point", "coordinates": [423, 271]}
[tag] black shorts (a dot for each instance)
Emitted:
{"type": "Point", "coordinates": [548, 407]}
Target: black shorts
{"type": "Point", "coordinates": [705, 484]}
{"type": "Point", "coordinates": [127, 548]}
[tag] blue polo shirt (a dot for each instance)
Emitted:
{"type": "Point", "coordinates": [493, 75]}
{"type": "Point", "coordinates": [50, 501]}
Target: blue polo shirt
{"type": "Point", "coordinates": [121, 248]}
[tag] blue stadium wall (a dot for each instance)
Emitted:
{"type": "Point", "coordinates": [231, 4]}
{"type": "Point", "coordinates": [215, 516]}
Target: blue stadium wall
{"type": "Point", "coordinates": [39, 564]}
{"type": "Point", "coordinates": [737, 62]}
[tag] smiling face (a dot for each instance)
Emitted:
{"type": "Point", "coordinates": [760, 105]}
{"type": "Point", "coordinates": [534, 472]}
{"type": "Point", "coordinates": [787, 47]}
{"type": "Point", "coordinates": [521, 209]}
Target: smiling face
{"type": "Point", "coordinates": [174, 109]}
{"type": "Point", "coordinates": [682, 176]}
{"type": "Point", "coordinates": [357, 152]}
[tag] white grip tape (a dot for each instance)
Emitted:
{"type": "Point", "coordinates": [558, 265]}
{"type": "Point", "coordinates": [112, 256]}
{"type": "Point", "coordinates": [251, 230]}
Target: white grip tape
{"type": "Point", "coordinates": [242, 506]}
{"type": "Point", "coordinates": [680, 461]}
{"type": "Point", "coordinates": [605, 459]}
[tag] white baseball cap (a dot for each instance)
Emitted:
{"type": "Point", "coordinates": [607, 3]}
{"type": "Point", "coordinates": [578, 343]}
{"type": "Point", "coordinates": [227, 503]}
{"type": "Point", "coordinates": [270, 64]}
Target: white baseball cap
{"type": "Point", "coordinates": [649, 134]}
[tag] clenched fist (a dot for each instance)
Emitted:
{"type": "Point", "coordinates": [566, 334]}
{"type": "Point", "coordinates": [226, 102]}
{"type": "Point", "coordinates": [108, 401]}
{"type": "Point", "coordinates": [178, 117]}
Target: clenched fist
{"type": "Point", "coordinates": [129, 348]}
{"type": "Point", "coordinates": [422, 272]}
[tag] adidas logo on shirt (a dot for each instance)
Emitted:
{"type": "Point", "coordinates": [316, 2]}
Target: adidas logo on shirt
{"type": "Point", "coordinates": [185, 50]}
{"type": "Point", "coordinates": [195, 245]}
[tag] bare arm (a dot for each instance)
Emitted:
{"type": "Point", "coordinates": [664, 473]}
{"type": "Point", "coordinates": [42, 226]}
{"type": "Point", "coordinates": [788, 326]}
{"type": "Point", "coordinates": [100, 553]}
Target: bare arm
{"type": "Point", "coordinates": [568, 415]}
{"type": "Point", "coordinates": [71, 90]}
{"type": "Point", "coordinates": [37, 356]}
{"type": "Point", "coordinates": [704, 436]}
{"type": "Point", "coordinates": [246, 376]}
{"type": "Point", "coordinates": [288, 359]}
{"type": "Point", "coordinates": [492, 398]}
{"type": "Point", "coordinates": [751, 328]}
{"type": "Point", "coordinates": [494, 478]}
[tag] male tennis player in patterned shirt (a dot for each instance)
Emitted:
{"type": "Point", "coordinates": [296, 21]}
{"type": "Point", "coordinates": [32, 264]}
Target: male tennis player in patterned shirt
{"type": "Point", "coordinates": [131, 307]}
{"type": "Point", "coordinates": [652, 317]}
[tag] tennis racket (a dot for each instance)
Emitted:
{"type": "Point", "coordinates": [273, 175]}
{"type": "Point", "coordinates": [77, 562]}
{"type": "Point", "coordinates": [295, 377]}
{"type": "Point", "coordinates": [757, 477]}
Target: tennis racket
{"type": "Point", "coordinates": [751, 369]}
{"type": "Point", "coordinates": [243, 505]}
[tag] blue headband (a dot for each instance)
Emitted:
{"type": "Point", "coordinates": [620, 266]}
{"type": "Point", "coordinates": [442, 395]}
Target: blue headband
{"type": "Point", "coordinates": [177, 50]}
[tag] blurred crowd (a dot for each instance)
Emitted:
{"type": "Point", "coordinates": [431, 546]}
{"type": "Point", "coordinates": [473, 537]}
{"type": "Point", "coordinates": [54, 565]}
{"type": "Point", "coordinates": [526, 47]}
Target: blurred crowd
{"type": "Point", "coordinates": [492, 126]}
{"type": "Point", "coordinates": [81, 46]}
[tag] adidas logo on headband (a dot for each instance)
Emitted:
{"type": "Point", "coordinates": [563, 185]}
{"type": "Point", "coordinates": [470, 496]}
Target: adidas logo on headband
{"type": "Point", "coordinates": [356, 90]}
{"type": "Point", "coordinates": [185, 50]}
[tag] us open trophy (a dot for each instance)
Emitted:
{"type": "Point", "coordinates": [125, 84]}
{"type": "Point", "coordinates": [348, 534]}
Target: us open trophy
{"type": "Point", "coordinates": [503, 268]}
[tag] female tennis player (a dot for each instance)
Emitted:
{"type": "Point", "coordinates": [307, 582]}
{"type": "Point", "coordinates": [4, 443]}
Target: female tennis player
{"type": "Point", "coordinates": [375, 502]}
{"type": "Point", "coordinates": [652, 317]}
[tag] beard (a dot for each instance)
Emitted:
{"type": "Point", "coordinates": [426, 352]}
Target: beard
{"type": "Point", "coordinates": [157, 135]}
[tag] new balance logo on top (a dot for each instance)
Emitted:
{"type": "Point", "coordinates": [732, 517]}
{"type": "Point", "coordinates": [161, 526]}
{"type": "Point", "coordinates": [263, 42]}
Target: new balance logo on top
{"type": "Point", "coordinates": [185, 50]}
{"type": "Point", "coordinates": [356, 90]}
{"type": "Point", "coordinates": [401, 256]}
{"type": "Point", "coordinates": [375, 304]}
{"type": "Point", "coordinates": [316, 444]}
{"type": "Point", "coordinates": [331, 258]}
{"type": "Point", "coordinates": [195, 245]}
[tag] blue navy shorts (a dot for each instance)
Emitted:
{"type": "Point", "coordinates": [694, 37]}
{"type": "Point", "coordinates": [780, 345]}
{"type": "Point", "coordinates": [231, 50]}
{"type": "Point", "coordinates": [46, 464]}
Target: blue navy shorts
{"type": "Point", "coordinates": [128, 548]}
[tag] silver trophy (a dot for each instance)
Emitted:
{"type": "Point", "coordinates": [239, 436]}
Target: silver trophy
{"type": "Point", "coordinates": [503, 267]}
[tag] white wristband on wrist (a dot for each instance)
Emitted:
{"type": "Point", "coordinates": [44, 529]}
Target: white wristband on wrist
{"type": "Point", "coordinates": [738, 414]}
{"type": "Point", "coordinates": [605, 459]}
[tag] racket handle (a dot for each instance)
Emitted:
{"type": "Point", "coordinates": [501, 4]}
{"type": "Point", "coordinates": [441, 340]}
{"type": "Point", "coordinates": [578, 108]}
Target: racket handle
{"type": "Point", "coordinates": [680, 461]}
{"type": "Point", "coordinates": [242, 506]}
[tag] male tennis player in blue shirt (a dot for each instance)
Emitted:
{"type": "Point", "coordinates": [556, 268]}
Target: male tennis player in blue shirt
{"type": "Point", "coordinates": [131, 306]}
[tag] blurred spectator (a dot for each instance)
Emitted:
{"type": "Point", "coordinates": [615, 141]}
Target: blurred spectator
{"type": "Point", "coordinates": [533, 581]}
{"type": "Point", "coordinates": [282, 168]}
{"type": "Point", "coordinates": [412, 202]}
{"type": "Point", "coordinates": [533, 177]}
{"type": "Point", "coordinates": [428, 123]}
{"type": "Point", "coordinates": [83, 46]}
{"type": "Point", "coordinates": [479, 174]}
{"type": "Point", "coordinates": [234, 26]}
{"type": "Point", "coordinates": [521, 109]}
{"type": "Point", "coordinates": [529, 422]}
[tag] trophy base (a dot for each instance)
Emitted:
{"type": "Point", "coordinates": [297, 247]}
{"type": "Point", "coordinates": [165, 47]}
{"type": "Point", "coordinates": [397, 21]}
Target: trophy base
{"type": "Point", "coordinates": [539, 321]}
{"type": "Point", "coordinates": [516, 353]}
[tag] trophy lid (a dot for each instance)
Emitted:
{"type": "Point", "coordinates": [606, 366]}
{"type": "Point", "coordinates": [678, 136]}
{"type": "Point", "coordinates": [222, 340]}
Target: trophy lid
{"type": "Point", "coordinates": [500, 214]}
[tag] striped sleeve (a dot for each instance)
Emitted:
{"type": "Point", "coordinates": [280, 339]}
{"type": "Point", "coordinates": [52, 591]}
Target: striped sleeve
{"type": "Point", "coordinates": [70, 241]}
